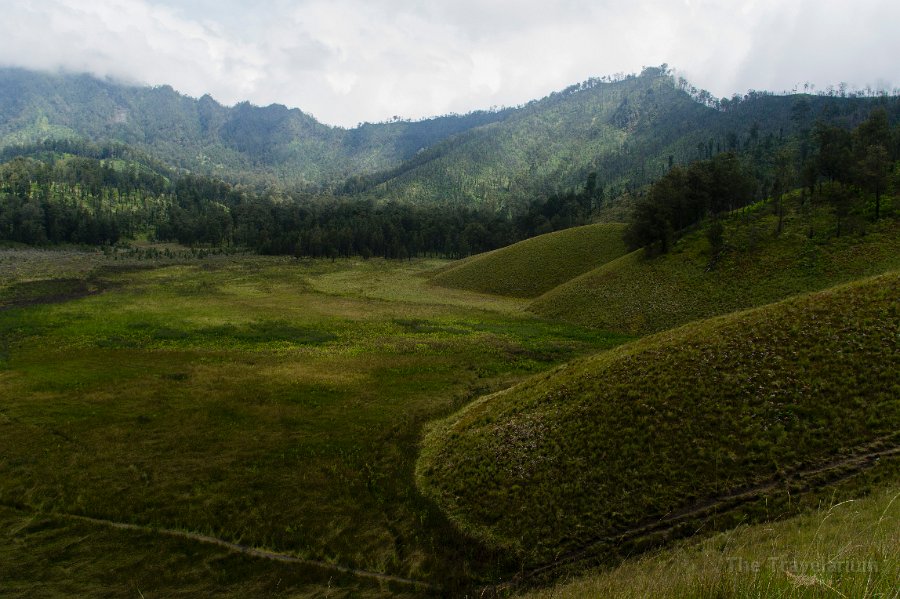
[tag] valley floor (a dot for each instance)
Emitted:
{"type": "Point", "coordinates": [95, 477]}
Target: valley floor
{"type": "Point", "coordinates": [269, 403]}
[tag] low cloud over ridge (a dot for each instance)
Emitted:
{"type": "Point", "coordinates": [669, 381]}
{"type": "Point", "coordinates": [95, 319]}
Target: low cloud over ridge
{"type": "Point", "coordinates": [346, 61]}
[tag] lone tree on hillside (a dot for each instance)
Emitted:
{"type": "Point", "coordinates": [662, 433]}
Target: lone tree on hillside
{"type": "Point", "coordinates": [875, 167]}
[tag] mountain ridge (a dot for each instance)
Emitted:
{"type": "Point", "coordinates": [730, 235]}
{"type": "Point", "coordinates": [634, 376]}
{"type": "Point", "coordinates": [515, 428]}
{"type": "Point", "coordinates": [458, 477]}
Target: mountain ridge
{"type": "Point", "coordinates": [274, 143]}
{"type": "Point", "coordinates": [626, 132]}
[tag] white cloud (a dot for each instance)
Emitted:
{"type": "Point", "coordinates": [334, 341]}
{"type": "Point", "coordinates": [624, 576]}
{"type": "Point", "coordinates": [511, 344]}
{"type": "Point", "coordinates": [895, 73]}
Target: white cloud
{"type": "Point", "coordinates": [351, 60]}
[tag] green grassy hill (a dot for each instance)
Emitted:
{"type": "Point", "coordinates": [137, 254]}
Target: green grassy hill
{"type": "Point", "coordinates": [534, 266]}
{"type": "Point", "coordinates": [670, 422]}
{"type": "Point", "coordinates": [637, 294]}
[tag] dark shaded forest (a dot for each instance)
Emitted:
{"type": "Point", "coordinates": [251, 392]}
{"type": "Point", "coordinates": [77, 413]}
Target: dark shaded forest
{"type": "Point", "coordinates": [67, 192]}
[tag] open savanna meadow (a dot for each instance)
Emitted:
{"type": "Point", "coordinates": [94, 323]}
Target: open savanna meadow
{"type": "Point", "coordinates": [272, 403]}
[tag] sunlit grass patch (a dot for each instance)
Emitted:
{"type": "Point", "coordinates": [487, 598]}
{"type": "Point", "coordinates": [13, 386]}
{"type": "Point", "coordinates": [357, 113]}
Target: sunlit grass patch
{"type": "Point", "coordinates": [407, 283]}
{"type": "Point", "coordinates": [534, 266]}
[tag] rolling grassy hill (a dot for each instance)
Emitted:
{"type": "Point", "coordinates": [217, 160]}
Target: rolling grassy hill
{"type": "Point", "coordinates": [534, 266]}
{"type": "Point", "coordinates": [637, 294]}
{"type": "Point", "coordinates": [671, 422]}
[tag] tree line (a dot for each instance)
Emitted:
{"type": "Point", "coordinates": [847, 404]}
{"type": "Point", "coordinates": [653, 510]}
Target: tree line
{"type": "Point", "coordinates": [857, 161]}
{"type": "Point", "coordinates": [51, 197]}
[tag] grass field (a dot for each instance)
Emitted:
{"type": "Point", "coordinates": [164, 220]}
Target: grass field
{"type": "Point", "coordinates": [639, 295]}
{"type": "Point", "coordinates": [280, 404]}
{"type": "Point", "coordinates": [534, 266]}
{"type": "Point", "coordinates": [689, 418]}
{"type": "Point", "coordinates": [842, 549]}
{"type": "Point", "coordinates": [271, 402]}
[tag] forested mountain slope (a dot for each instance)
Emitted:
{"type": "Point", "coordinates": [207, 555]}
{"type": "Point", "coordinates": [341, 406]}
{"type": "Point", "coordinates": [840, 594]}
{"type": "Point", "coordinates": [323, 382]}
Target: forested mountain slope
{"type": "Point", "coordinates": [271, 144]}
{"type": "Point", "coordinates": [625, 133]}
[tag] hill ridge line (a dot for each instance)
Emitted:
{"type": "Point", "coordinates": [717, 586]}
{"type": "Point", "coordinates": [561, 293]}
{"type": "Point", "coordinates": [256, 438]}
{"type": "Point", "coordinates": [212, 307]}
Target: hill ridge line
{"type": "Point", "coordinates": [234, 547]}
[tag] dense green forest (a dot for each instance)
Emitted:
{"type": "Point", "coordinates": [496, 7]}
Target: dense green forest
{"type": "Point", "coordinates": [628, 132]}
{"type": "Point", "coordinates": [627, 129]}
{"type": "Point", "coordinates": [66, 192]}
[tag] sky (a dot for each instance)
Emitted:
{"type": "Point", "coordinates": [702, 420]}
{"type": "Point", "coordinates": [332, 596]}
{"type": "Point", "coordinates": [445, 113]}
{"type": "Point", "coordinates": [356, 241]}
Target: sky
{"type": "Point", "coordinates": [350, 61]}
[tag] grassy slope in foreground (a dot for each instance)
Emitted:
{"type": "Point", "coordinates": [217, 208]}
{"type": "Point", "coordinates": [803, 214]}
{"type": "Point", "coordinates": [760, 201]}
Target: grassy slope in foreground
{"type": "Point", "coordinates": [534, 266]}
{"type": "Point", "coordinates": [602, 444]}
{"type": "Point", "coordinates": [848, 549]}
{"type": "Point", "coordinates": [636, 295]}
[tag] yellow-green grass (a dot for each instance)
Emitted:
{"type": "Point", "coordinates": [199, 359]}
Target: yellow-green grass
{"type": "Point", "coordinates": [409, 283]}
{"type": "Point", "coordinates": [639, 295]}
{"type": "Point", "coordinates": [233, 398]}
{"type": "Point", "coordinates": [848, 549]}
{"type": "Point", "coordinates": [534, 266]}
{"type": "Point", "coordinates": [604, 444]}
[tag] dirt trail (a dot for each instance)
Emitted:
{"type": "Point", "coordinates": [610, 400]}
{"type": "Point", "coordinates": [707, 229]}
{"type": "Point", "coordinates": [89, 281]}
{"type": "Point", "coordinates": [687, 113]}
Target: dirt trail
{"type": "Point", "coordinates": [245, 550]}
{"type": "Point", "coordinates": [835, 471]}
